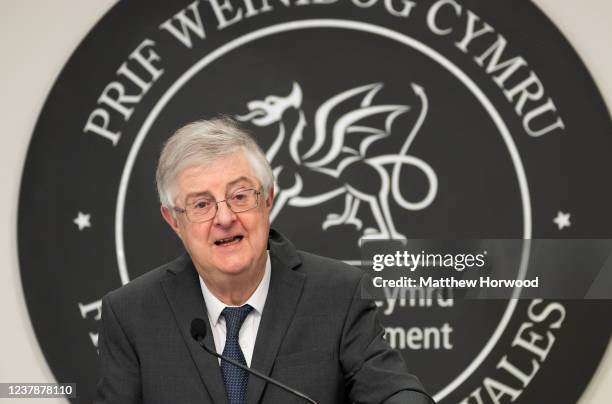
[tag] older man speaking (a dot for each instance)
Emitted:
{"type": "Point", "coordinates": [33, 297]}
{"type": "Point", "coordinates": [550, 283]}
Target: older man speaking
{"type": "Point", "coordinates": [294, 316]}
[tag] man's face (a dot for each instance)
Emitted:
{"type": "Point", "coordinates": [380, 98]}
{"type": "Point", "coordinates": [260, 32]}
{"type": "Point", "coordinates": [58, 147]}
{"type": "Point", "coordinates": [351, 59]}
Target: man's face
{"type": "Point", "coordinates": [206, 242]}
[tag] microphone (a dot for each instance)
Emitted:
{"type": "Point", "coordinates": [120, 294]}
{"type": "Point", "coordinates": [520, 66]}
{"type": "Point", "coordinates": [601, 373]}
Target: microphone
{"type": "Point", "coordinates": [198, 332]}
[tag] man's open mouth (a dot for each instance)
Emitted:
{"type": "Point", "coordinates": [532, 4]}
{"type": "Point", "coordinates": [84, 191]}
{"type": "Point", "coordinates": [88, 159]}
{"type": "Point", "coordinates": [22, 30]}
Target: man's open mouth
{"type": "Point", "coordinates": [228, 241]}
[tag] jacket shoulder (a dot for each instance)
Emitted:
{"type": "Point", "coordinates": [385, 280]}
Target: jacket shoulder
{"type": "Point", "coordinates": [146, 284]}
{"type": "Point", "coordinates": [330, 270]}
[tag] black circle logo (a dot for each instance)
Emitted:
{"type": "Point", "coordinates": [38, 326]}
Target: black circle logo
{"type": "Point", "coordinates": [381, 119]}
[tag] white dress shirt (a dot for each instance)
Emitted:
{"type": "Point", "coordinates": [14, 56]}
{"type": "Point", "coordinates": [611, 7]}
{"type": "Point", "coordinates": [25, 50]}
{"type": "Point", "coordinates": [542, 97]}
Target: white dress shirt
{"type": "Point", "coordinates": [248, 331]}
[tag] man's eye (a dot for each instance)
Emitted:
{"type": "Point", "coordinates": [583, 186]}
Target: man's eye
{"type": "Point", "coordinates": [239, 196]}
{"type": "Point", "coordinates": [201, 204]}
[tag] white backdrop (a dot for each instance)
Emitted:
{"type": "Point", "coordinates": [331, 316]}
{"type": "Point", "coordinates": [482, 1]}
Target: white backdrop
{"type": "Point", "coordinates": [38, 37]}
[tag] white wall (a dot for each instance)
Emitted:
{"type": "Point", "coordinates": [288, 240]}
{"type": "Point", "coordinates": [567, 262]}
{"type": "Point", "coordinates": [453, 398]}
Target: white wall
{"type": "Point", "coordinates": [38, 37]}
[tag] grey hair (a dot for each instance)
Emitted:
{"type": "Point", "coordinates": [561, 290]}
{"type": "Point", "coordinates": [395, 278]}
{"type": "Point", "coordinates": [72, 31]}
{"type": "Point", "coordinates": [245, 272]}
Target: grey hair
{"type": "Point", "coordinates": [201, 143]}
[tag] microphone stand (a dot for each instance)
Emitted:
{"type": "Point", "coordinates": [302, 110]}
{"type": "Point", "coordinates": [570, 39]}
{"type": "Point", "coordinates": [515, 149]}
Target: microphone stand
{"type": "Point", "coordinates": [200, 341]}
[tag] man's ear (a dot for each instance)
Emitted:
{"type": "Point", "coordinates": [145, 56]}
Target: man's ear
{"type": "Point", "coordinates": [270, 198]}
{"type": "Point", "coordinates": [168, 216]}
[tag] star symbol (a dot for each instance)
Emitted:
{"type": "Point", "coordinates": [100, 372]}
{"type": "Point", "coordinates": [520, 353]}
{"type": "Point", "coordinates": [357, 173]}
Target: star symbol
{"type": "Point", "coordinates": [562, 220]}
{"type": "Point", "coordinates": [82, 220]}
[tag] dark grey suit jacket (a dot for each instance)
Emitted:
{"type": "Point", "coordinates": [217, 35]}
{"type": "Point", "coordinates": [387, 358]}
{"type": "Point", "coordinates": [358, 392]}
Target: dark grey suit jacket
{"type": "Point", "coordinates": [316, 335]}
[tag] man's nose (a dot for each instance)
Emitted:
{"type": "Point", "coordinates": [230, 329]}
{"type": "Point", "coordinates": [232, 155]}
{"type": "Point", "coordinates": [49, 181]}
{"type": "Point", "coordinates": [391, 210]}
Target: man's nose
{"type": "Point", "coordinates": [224, 215]}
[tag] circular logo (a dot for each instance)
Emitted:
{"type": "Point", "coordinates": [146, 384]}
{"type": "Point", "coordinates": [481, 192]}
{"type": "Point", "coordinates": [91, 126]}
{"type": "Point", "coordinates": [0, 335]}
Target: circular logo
{"type": "Point", "coordinates": [437, 119]}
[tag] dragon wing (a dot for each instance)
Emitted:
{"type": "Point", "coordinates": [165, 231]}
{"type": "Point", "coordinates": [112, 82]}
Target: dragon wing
{"type": "Point", "coordinates": [349, 123]}
{"type": "Point", "coordinates": [322, 114]}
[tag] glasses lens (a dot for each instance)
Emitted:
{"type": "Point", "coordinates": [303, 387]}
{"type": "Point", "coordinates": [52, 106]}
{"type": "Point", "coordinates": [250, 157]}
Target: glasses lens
{"type": "Point", "coordinates": [243, 200]}
{"type": "Point", "coordinates": [200, 209]}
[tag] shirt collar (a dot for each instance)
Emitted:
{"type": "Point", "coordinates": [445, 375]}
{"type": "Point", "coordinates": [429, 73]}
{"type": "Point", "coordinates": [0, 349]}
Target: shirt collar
{"type": "Point", "coordinates": [257, 300]}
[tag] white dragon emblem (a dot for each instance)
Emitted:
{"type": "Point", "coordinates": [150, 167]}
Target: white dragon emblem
{"type": "Point", "coordinates": [342, 155]}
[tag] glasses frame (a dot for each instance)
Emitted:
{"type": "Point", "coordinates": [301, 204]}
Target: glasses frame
{"type": "Point", "coordinates": [226, 200]}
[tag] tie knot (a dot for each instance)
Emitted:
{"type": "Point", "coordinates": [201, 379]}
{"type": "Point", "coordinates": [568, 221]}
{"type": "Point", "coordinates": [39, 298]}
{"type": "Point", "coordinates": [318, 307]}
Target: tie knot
{"type": "Point", "coordinates": [234, 317]}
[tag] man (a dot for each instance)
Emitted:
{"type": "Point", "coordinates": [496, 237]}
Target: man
{"type": "Point", "coordinates": [294, 316]}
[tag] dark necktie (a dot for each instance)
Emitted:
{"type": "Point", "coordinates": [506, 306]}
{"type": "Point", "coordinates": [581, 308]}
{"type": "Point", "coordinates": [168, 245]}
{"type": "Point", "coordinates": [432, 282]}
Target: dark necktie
{"type": "Point", "coordinates": [234, 378]}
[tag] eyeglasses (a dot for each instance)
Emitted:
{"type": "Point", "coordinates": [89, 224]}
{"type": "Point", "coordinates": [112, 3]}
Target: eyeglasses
{"type": "Point", "coordinates": [200, 209]}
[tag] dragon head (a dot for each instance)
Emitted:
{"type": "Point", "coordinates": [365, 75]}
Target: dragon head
{"type": "Point", "coordinates": [270, 110]}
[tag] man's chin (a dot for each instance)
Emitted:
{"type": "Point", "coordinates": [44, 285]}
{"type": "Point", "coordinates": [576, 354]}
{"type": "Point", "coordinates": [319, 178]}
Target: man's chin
{"type": "Point", "coordinates": [233, 271]}
{"type": "Point", "coordinates": [233, 267]}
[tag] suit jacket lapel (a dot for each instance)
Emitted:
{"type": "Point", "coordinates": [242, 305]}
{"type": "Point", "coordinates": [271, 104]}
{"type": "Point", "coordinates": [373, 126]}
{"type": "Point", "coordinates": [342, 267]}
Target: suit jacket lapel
{"type": "Point", "coordinates": [186, 301]}
{"type": "Point", "coordinates": [283, 296]}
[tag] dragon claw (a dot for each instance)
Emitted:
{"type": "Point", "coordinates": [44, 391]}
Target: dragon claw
{"type": "Point", "coordinates": [371, 231]}
{"type": "Point", "coordinates": [356, 222]}
{"type": "Point", "coordinates": [334, 219]}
